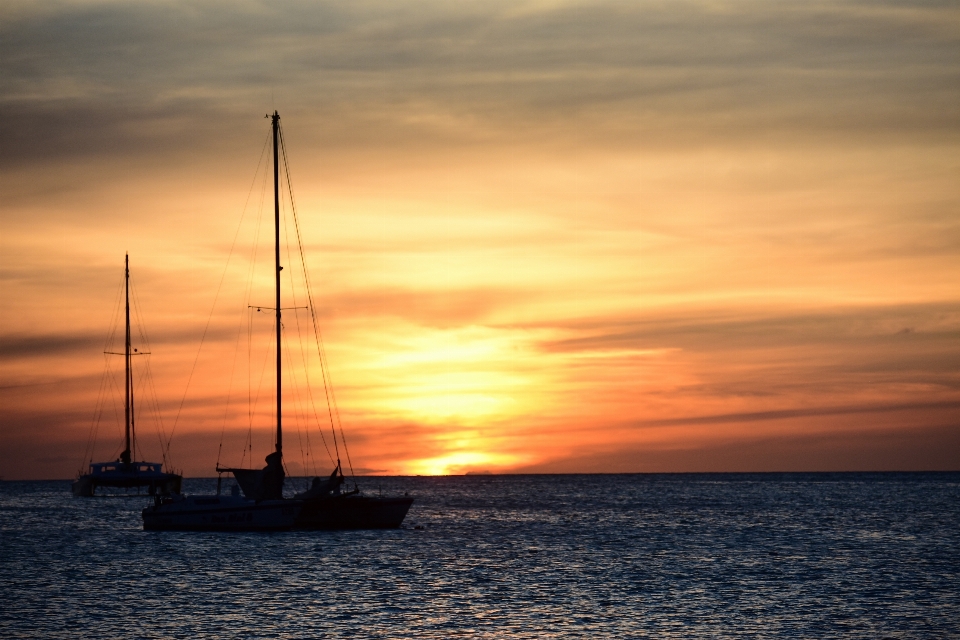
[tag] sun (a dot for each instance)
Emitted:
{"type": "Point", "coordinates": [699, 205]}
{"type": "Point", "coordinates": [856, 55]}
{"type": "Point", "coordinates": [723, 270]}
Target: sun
{"type": "Point", "coordinates": [461, 462]}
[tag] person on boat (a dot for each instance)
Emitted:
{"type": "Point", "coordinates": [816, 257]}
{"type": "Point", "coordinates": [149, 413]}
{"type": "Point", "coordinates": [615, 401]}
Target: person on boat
{"type": "Point", "coordinates": [323, 487]}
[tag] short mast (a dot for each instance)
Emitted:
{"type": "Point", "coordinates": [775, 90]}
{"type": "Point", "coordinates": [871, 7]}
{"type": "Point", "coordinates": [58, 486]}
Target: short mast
{"type": "Point", "coordinates": [128, 401]}
{"type": "Point", "coordinates": [276, 220]}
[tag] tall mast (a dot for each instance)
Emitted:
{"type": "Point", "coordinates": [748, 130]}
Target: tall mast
{"type": "Point", "coordinates": [276, 221]}
{"type": "Point", "coordinates": [128, 401]}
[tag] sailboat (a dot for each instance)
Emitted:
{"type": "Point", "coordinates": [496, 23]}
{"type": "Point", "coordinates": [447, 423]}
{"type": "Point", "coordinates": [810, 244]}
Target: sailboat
{"type": "Point", "coordinates": [257, 501]}
{"type": "Point", "coordinates": [125, 472]}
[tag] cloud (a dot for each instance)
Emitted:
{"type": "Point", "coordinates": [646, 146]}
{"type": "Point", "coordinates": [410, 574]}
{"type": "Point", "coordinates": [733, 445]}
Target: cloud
{"type": "Point", "coordinates": [783, 414]}
{"type": "Point", "coordinates": [747, 328]}
{"type": "Point", "coordinates": [94, 78]}
{"type": "Point", "coordinates": [27, 346]}
{"type": "Point", "coordinates": [19, 346]}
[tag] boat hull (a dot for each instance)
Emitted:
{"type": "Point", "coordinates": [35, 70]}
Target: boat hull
{"type": "Point", "coordinates": [353, 512]}
{"type": "Point", "coordinates": [220, 513]}
{"type": "Point", "coordinates": [156, 484]}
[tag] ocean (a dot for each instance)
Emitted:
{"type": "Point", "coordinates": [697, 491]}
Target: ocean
{"type": "Point", "coordinates": [804, 555]}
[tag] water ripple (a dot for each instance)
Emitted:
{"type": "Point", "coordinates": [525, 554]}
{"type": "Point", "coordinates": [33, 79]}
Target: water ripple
{"type": "Point", "coordinates": [666, 556]}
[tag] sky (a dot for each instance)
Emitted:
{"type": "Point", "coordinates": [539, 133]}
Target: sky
{"type": "Point", "coordinates": [543, 237]}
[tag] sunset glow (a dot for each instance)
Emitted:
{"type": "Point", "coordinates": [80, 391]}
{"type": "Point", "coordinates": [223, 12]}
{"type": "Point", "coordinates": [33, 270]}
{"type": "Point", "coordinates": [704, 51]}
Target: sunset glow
{"type": "Point", "coordinates": [543, 238]}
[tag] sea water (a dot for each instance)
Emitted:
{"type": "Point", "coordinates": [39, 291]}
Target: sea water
{"type": "Point", "coordinates": [558, 556]}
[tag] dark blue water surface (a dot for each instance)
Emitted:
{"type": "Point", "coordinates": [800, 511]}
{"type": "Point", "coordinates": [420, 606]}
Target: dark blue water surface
{"type": "Point", "coordinates": [674, 556]}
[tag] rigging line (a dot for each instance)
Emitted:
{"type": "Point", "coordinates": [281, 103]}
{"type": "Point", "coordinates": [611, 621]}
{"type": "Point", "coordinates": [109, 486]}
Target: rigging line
{"type": "Point", "coordinates": [106, 388]}
{"type": "Point", "coordinates": [138, 317]}
{"type": "Point", "coordinates": [107, 374]}
{"type": "Point", "coordinates": [215, 298]}
{"type": "Point", "coordinates": [296, 317]}
{"type": "Point", "coordinates": [137, 313]}
{"type": "Point", "coordinates": [252, 405]}
{"type": "Point", "coordinates": [233, 372]}
{"type": "Point", "coordinates": [313, 405]}
{"type": "Point", "coordinates": [327, 382]}
{"type": "Point", "coordinates": [226, 408]}
{"type": "Point", "coordinates": [249, 388]}
{"type": "Point", "coordinates": [146, 377]}
{"type": "Point", "coordinates": [283, 343]}
{"type": "Point", "coordinates": [150, 399]}
{"type": "Point", "coordinates": [303, 358]}
{"type": "Point", "coordinates": [298, 397]}
{"type": "Point", "coordinates": [331, 395]}
{"type": "Point", "coordinates": [291, 370]}
{"type": "Point", "coordinates": [303, 351]}
{"type": "Point", "coordinates": [95, 422]}
{"type": "Point", "coordinates": [116, 393]}
{"type": "Point", "coordinates": [116, 411]}
{"type": "Point", "coordinates": [117, 314]}
{"type": "Point", "coordinates": [249, 385]}
{"type": "Point", "coordinates": [302, 418]}
{"type": "Point", "coordinates": [248, 294]}
{"type": "Point", "coordinates": [343, 436]}
{"type": "Point", "coordinates": [267, 358]}
{"type": "Point", "coordinates": [306, 278]}
{"type": "Point", "coordinates": [324, 365]}
{"type": "Point", "coordinates": [90, 446]}
{"type": "Point", "coordinates": [140, 394]}
{"type": "Point", "coordinates": [115, 388]}
{"type": "Point", "coordinates": [148, 390]}
{"type": "Point", "coordinates": [161, 432]}
{"type": "Point", "coordinates": [99, 415]}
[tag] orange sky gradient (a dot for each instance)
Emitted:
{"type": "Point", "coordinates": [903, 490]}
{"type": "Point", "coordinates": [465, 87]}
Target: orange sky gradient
{"type": "Point", "coordinates": [544, 237]}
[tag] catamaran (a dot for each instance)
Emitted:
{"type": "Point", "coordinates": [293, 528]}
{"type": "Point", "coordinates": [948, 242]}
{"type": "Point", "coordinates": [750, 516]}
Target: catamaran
{"type": "Point", "coordinates": [125, 472]}
{"type": "Point", "coordinates": [257, 502]}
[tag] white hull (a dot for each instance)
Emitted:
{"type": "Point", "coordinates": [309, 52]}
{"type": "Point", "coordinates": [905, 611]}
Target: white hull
{"type": "Point", "coordinates": [220, 513]}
